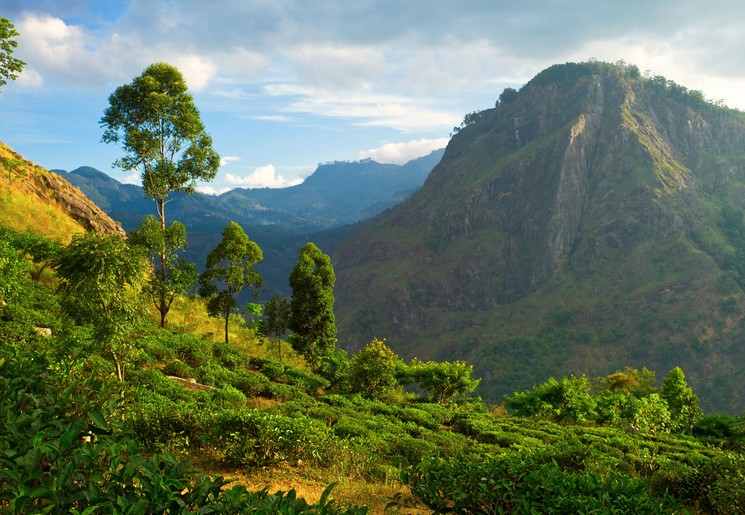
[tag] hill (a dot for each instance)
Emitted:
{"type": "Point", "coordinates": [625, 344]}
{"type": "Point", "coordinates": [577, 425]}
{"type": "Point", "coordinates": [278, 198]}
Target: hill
{"type": "Point", "coordinates": [281, 220]}
{"type": "Point", "coordinates": [589, 221]}
{"type": "Point", "coordinates": [34, 198]}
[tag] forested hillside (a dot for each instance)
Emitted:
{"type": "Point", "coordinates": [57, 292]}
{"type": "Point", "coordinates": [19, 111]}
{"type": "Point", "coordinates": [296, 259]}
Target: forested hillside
{"type": "Point", "coordinates": [589, 221]}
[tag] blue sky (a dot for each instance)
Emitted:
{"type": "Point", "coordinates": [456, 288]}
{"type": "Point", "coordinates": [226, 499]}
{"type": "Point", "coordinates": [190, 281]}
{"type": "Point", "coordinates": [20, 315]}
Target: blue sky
{"type": "Point", "coordinates": [283, 85]}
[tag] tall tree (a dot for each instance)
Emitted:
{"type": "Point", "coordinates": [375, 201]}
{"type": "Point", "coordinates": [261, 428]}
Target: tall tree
{"type": "Point", "coordinates": [276, 319]}
{"type": "Point", "coordinates": [229, 270]}
{"type": "Point", "coordinates": [10, 66]}
{"type": "Point", "coordinates": [101, 286]}
{"type": "Point", "coordinates": [312, 304]}
{"type": "Point", "coordinates": [180, 273]}
{"type": "Point", "coordinates": [683, 403]}
{"type": "Point", "coordinates": [155, 121]}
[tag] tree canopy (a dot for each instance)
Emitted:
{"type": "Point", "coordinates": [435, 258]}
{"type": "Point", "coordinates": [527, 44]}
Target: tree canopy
{"type": "Point", "coordinates": [229, 269]}
{"type": "Point", "coordinates": [10, 66]}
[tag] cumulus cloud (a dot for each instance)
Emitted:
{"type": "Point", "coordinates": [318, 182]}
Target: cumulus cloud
{"type": "Point", "coordinates": [262, 177]}
{"type": "Point", "coordinates": [401, 153]}
{"type": "Point", "coordinates": [57, 49]}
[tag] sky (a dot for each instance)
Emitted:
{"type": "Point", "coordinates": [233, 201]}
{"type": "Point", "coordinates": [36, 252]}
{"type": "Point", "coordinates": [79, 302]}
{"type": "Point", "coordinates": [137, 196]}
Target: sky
{"type": "Point", "coordinates": [283, 85]}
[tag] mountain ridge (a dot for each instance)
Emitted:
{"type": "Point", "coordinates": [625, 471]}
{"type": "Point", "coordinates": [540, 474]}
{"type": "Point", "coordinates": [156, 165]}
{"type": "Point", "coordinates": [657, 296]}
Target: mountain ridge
{"type": "Point", "coordinates": [578, 222]}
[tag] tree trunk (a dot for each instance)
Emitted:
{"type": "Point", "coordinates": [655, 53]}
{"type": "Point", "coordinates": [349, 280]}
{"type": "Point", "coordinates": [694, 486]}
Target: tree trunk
{"type": "Point", "coordinates": [227, 317]}
{"type": "Point", "coordinates": [163, 307]}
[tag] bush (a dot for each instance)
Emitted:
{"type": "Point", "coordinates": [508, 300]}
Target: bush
{"type": "Point", "coordinates": [252, 384]}
{"type": "Point", "coordinates": [253, 438]}
{"type": "Point", "coordinates": [228, 397]}
{"type": "Point", "coordinates": [179, 369]}
{"type": "Point", "coordinates": [373, 370]}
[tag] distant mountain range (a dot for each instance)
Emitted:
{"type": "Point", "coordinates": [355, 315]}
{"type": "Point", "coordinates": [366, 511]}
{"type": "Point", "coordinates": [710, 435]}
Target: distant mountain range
{"type": "Point", "coordinates": [280, 220]}
{"type": "Point", "coordinates": [590, 221]}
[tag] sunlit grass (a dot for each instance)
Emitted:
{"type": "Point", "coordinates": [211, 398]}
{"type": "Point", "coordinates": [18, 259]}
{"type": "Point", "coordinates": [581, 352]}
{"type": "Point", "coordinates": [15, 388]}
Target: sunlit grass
{"type": "Point", "coordinates": [21, 212]}
{"type": "Point", "coordinates": [189, 315]}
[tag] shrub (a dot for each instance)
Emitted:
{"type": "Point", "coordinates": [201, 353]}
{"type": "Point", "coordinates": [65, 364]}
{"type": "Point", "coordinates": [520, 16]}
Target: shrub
{"type": "Point", "coordinates": [252, 384]}
{"type": "Point", "coordinates": [253, 438]}
{"type": "Point", "coordinates": [179, 369]}
{"type": "Point", "coordinates": [373, 370]}
{"type": "Point", "coordinates": [228, 397]}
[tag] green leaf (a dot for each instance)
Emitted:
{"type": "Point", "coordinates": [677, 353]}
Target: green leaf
{"type": "Point", "coordinates": [98, 419]}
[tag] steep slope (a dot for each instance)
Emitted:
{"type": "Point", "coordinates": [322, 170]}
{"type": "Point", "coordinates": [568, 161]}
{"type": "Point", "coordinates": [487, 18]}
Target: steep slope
{"type": "Point", "coordinates": [35, 198]}
{"type": "Point", "coordinates": [578, 228]}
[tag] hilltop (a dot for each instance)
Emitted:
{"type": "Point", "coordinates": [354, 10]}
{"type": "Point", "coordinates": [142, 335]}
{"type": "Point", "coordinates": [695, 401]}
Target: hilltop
{"type": "Point", "coordinates": [591, 220]}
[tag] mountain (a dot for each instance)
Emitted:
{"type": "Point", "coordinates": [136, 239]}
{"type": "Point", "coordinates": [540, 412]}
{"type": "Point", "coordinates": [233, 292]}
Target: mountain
{"type": "Point", "coordinates": [280, 220]}
{"type": "Point", "coordinates": [339, 193]}
{"type": "Point", "coordinates": [35, 198]}
{"type": "Point", "coordinates": [590, 221]}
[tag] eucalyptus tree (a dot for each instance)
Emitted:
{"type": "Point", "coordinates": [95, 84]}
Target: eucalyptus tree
{"type": "Point", "coordinates": [312, 304]}
{"type": "Point", "coordinates": [155, 121]}
{"type": "Point", "coordinates": [229, 269]}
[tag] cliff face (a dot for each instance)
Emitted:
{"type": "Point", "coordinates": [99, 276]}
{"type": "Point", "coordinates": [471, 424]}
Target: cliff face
{"type": "Point", "coordinates": [572, 197]}
{"type": "Point", "coordinates": [27, 179]}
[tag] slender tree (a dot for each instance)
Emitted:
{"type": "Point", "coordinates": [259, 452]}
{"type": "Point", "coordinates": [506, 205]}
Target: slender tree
{"type": "Point", "coordinates": [276, 319]}
{"type": "Point", "coordinates": [101, 286]}
{"type": "Point", "coordinates": [312, 305]}
{"type": "Point", "coordinates": [180, 273]}
{"type": "Point", "coordinates": [229, 270]}
{"type": "Point", "coordinates": [683, 403]}
{"type": "Point", "coordinates": [156, 123]}
{"type": "Point", "coordinates": [10, 66]}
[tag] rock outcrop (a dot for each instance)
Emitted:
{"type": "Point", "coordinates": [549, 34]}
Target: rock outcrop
{"type": "Point", "coordinates": [32, 180]}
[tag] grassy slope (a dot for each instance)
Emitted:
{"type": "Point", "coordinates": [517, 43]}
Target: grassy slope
{"type": "Point", "coordinates": [20, 211]}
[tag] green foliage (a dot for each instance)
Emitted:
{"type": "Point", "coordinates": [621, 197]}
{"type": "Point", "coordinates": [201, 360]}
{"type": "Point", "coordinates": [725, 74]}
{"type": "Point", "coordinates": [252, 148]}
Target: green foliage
{"type": "Point", "coordinates": [229, 269]}
{"type": "Point", "coordinates": [521, 484]}
{"type": "Point", "coordinates": [276, 319]}
{"type": "Point", "coordinates": [681, 401]}
{"type": "Point", "coordinates": [372, 371]}
{"type": "Point", "coordinates": [444, 380]}
{"type": "Point", "coordinates": [158, 126]}
{"type": "Point", "coordinates": [252, 438]}
{"type": "Point", "coordinates": [10, 66]}
{"type": "Point", "coordinates": [566, 400]}
{"type": "Point", "coordinates": [63, 450]}
{"type": "Point", "coordinates": [101, 286]}
{"type": "Point", "coordinates": [13, 271]}
{"type": "Point", "coordinates": [179, 276]}
{"type": "Point", "coordinates": [312, 305]}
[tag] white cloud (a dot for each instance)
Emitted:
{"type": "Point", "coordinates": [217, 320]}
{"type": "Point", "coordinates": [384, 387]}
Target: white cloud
{"type": "Point", "coordinates": [228, 159]}
{"type": "Point", "coordinates": [399, 112]}
{"type": "Point", "coordinates": [209, 190]}
{"type": "Point", "coordinates": [53, 47]}
{"type": "Point", "coordinates": [198, 70]}
{"type": "Point", "coordinates": [262, 177]}
{"type": "Point", "coordinates": [133, 178]}
{"type": "Point", "coordinates": [337, 67]}
{"type": "Point", "coordinates": [30, 79]}
{"type": "Point", "coordinates": [401, 153]}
